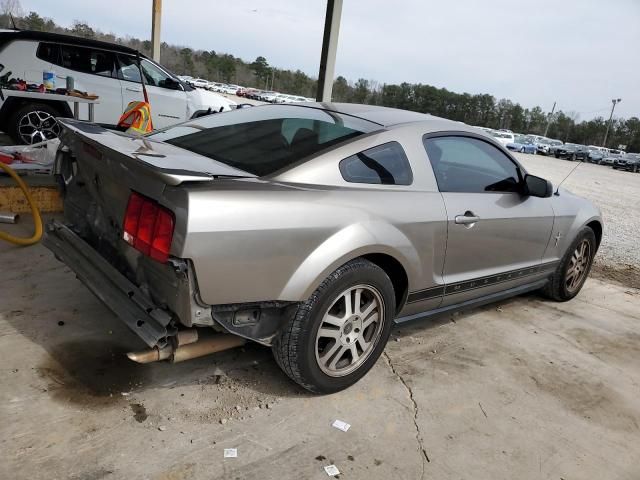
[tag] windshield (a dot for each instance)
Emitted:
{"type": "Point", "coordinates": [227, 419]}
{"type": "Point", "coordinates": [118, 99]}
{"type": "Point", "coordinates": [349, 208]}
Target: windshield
{"type": "Point", "coordinates": [263, 140]}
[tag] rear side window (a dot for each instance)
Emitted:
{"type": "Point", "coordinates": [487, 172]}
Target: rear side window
{"type": "Point", "coordinates": [385, 164]}
{"type": "Point", "coordinates": [49, 52]}
{"type": "Point", "coordinates": [87, 60]}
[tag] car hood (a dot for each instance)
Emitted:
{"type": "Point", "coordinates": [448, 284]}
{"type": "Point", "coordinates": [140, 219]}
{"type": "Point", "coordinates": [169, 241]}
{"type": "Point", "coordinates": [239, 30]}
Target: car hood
{"type": "Point", "coordinates": [200, 99]}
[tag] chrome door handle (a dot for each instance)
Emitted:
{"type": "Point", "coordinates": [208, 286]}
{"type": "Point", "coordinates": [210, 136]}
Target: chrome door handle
{"type": "Point", "coordinates": [133, 90]}
{"type": "Point", "coordinates": [469, 218]}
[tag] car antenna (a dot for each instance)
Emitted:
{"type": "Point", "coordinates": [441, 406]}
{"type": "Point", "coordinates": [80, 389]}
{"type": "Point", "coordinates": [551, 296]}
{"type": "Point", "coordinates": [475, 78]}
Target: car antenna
{"type": "Point", "coordinates": [572, 170]}
{"type": "Point", "coordinates": [13, 21]}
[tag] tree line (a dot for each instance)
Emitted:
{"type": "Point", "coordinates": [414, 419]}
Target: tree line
{"type": "Point", "coordinates": [474, 109]}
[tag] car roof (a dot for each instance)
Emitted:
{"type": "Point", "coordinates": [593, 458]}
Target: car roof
{"type": "Point", "coordinates": [389, 117]}
{"type": "Point", "coordinates": [11, 35]}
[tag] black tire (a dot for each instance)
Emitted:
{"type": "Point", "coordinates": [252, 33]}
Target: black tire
{"type": "Point", "coordinates": [295, 348]}
{"type": "Point", "coordinates": [557, 289]}
{"type": "Point", "coordinates": [49, 127]}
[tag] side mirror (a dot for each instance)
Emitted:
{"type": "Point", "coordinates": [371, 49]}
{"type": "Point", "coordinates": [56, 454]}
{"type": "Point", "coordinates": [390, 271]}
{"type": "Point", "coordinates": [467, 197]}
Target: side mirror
{"type": "Point", "coordinates": [537, 187]}
{"type": "Point", "coordinates": [171, 84]}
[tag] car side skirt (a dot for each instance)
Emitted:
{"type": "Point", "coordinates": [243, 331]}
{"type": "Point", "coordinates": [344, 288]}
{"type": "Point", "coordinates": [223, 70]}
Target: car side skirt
{"type": "Point", "coordinates": [481, 282]}
{"type": "Point", "coordinates": [476, 302]}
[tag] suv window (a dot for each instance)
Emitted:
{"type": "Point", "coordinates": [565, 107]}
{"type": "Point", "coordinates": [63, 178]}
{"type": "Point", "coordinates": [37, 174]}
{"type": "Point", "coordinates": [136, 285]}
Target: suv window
{"type": "Point", "coordinates": [385, 164]}
{"type": "Point", "coordinates": [87, 60]}
{"type": "Point", "coordinates": [49, 52]}
{"type": "Point", "coordinates": [128, 70]}
{"type": "Point", "coordinates": [466, 164]}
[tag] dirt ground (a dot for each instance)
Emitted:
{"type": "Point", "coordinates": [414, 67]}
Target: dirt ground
{"type": "Point", "coordinates": [525, 389]}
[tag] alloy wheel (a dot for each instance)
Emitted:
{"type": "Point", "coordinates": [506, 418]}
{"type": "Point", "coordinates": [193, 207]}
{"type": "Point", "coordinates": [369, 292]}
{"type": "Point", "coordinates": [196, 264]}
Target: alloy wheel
{"type": "Point", "coordinates": [37, 126]}
{"type": "Point", "coordinates": [578, 266]}
{"type": "Point", "coordinates": [349, 330]}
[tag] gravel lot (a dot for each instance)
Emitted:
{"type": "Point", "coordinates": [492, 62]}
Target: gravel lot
{"type": "Point", "coordinates": [617, 193]}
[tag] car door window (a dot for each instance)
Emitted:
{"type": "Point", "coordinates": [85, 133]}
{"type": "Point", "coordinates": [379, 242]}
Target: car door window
{"type": "Point", "coordinates": [385, 164]}
{"type": "Point", "coordinates": [87, 60]}
{"type": "Point", "coordinates": [154, 76]}
{"type": "Point", "coordinates": [467, 164]}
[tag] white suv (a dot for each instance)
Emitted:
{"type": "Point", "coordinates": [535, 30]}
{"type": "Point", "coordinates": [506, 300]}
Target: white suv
{"type": "Point", "coordinates": [107, 70]}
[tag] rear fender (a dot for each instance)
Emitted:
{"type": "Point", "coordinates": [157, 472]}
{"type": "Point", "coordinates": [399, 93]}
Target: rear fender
{"type": "Point", "coordinates": [351, 242]}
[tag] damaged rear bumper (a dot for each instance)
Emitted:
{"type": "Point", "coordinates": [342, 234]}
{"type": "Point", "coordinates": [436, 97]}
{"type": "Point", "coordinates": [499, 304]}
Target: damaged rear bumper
{"type": "Point", "coordinates": [126, 300]}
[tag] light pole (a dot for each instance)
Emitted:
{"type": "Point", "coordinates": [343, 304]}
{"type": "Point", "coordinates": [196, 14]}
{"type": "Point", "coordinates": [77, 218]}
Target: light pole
{"type": "Point", "coordinates": [606, 133]}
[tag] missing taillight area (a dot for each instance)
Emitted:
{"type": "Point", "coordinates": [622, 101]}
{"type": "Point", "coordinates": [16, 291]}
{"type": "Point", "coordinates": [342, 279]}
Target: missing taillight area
{"type": "Point", "coordinates": [148, 227]}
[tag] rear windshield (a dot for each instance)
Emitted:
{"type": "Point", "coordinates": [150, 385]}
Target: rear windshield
{"type": "Point", "coordinates": [264, 140]}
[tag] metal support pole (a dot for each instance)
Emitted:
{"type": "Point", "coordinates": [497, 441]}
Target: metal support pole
{"type": "Point", "coordinates": [156, 18]}
{"type": "Point", "coordinates": [329, 49]}
{"type": "Point", "coordinates": [613, 107]}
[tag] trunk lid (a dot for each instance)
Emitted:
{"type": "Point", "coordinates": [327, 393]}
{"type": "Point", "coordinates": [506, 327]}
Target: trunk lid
{"type": "Point", "coordinates": [99, 169]}
{"type": "Point", "coordinates": [167, 163]}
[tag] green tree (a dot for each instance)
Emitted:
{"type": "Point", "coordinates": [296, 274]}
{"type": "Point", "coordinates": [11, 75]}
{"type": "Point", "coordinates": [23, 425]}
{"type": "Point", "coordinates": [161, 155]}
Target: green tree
{"type": "Point", "coordinates": [33, 21]}
{"type": "Point", "coordinates": [261, 69]}
{"type": "Point", "coordinates": [227, 68]}
{"type": "Point", "coordinates": [82, 29]}
{"type": "Point", "coordinates": [186, 55]}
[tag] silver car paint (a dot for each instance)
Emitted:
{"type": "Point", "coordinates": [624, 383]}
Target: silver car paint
{"type": "Point", "coordinates": [278, 238]}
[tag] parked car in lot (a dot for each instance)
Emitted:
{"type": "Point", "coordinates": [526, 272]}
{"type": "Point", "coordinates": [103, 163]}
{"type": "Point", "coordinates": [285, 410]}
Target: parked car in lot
{"type": "Point", "coordinates": [553, 146]}
{"type": "Point", "coordinates": [502, 137]}
{"type": "Point", "coordinates": [522, 144]}
{"type": "Point", "coordinates": [629, 162]}
{"type": "Point", "coordinates": [595, 154]}
{"type": "Point", "coordinates": [572, 151]}
{"type": "Point", "coordinates": [199, 82]}
{"type": "Point", "coordinates": [610, 159]}
{"type": "Point", "coordinates": [310, 228]}
{"type": "Point", "coordinates": [107, 70]}
{"type": "Point", "coordinates": [542, 145]}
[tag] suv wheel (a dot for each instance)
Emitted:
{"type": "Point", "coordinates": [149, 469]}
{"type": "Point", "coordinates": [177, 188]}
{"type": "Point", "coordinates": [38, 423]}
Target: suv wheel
{"type": "Point", "coordinates": [339, 333]}
{"type": "Point", "coordinates": [573, 269]}
{"type": "Point", "coordinates": [34, 123]}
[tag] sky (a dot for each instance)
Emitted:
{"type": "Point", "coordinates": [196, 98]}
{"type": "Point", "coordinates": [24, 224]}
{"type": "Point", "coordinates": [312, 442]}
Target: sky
{"type": "Point", "coordinates": [580, 53]}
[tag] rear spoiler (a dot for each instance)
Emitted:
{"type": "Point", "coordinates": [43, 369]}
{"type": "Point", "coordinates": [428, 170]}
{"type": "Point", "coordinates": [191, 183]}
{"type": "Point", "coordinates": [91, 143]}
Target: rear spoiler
{"type": "Point", "coordinates": [170, 164]}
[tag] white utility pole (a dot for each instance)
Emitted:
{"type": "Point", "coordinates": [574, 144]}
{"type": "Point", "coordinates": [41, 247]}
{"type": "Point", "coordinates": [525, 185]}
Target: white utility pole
{"type": "Point", "coordinates": [156, 19]}
{"type": "Point", "coordinates": [329, 49]}
{"type": "Point", "coordinates": [546, 129]}
{"type": "Point", "coordinates": [606, 134]}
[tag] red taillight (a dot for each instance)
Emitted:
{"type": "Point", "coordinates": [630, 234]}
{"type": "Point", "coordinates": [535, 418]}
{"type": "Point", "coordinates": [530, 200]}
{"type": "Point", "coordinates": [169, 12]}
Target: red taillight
{"type": "Point", "coordinates": [162, 236]}
{"type": "Point", "coordinates": [148, 227]}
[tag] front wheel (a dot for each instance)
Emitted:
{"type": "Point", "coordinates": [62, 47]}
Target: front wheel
{"type": "Point", "coordinates": [573, 269]}
{"type": "Point", "coordinates": [339, 333]}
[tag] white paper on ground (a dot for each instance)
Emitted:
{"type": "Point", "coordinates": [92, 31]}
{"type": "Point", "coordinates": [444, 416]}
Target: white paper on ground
{"type": "Point", "coordinates": [332, 470]}
{"type": "Point", "coordinates": [230, 453]}
{"type": "Point", "coordinates": [340, 425]}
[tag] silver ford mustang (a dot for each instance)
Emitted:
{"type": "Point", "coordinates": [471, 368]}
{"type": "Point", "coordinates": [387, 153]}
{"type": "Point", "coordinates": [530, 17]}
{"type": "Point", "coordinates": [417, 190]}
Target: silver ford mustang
{"type": "Point", "coordinates": [309, 228]}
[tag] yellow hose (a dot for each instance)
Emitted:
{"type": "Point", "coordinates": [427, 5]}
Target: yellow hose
{"type": "Point", "coordinates": [37, 220]}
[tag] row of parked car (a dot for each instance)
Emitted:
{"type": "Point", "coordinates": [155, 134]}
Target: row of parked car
{"type": "Point", "coordinates": [252, 93]}
{"type": "Point", "coordinates": [537, 144]}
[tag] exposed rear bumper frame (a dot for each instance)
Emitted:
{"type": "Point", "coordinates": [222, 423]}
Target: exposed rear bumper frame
{"type": "Point", "coordinates": [142, 316]}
